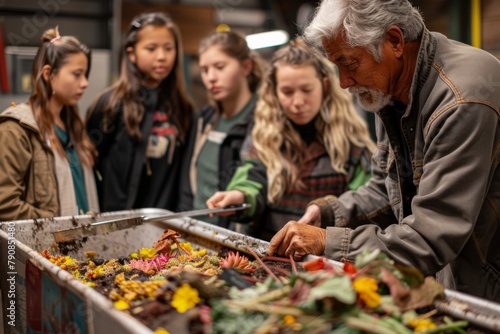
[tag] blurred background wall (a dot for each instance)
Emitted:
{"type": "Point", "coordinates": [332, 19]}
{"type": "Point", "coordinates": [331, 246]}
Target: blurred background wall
{"type": "Point", "coordinates": [101, 25]}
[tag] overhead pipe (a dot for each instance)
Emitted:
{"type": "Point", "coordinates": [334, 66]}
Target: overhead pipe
{"type": "Point", "coordinates": [475, 23]}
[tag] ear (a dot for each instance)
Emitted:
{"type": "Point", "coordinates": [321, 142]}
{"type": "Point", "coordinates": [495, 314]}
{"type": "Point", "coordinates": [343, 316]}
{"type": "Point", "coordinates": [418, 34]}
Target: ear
{"type": "Point", "coordinates": [46, 73]}
{"type": "Point", "coordinates": [247, 66]}
{"type": "Point", "coordinates": [326, 86]}
{"type": "Point", "coordinates": [395, 37]}
{"type": "Point", "coordinates": [131, 54]}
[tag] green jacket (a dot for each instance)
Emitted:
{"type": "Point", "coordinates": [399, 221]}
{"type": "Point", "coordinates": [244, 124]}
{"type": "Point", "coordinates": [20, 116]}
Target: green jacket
{"type": "Point", "coordinates": [318, 179]}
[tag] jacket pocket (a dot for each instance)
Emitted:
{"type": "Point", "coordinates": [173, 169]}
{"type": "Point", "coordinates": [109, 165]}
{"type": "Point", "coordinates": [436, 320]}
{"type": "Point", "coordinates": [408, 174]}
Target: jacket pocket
{"type": "Point", "coordinates": [386, 162]}
{"type": "Point", "coordinates": [384, 159]}
{"type": "Point", "coordinates": [43, 179]}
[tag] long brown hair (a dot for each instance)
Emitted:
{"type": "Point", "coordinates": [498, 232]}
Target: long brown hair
{"type": "Point", "coordinates": [278, 144]}
{"type": "Point", "coordinates": [235, 46]}
{"type": "Point", "coordinates": [126, 92]}
{"type": "Point", "coordinates": [54, 52]}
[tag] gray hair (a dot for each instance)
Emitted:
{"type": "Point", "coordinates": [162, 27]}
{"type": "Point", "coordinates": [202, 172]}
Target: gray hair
{"type": "Point", "coordinates": [364, 22]}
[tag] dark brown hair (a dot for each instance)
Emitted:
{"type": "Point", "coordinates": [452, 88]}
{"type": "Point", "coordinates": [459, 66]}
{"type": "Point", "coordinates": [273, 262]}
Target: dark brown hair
{"type": "Point", "coordinates": [54, 52]}
{"type": "Point", "coordinates": [126, 92]}
{"type": "Point", "coordinates": [235, 46]}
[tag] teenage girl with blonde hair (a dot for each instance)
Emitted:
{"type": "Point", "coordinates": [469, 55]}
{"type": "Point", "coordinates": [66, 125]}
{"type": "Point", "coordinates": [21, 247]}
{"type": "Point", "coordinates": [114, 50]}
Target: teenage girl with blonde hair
{"type": "Point", "coordinates": [308, 142]}
{"type": "Point", "coordinates": [139, 125]}
{"type": "Point", "coordinates": [46, 157]}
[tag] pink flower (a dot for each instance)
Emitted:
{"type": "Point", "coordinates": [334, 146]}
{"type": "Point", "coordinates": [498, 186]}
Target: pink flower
{"type": "Point", "coordinates": [155, 264]}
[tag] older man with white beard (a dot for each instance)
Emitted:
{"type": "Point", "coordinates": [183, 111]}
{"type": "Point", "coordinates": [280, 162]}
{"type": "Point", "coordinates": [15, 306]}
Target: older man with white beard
{"type": "Point", "coordinates": [434, 199]}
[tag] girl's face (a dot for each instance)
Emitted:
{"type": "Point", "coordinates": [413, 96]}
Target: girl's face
{"type": "Point", "coordinates": [70, 82]}
{"type": "Point", "coordinates": [154, 54]}
{"type": "Point", "coordinates": [223, 76]}
{"type": "Point", "coordinates": [300, 92]}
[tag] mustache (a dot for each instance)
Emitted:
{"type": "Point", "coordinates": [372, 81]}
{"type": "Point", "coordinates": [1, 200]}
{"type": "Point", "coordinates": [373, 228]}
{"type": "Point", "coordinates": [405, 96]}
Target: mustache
{"type": "Point", "coordinates": [362, 90]}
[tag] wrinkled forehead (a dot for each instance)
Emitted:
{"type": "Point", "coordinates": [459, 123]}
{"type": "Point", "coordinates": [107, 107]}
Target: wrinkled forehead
{"type": "Point", "coordinates": [337, 48]}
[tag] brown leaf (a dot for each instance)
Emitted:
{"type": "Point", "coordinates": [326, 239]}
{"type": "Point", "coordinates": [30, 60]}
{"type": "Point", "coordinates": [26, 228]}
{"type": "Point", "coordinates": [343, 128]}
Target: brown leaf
{"type": "Point", "coordinates": [417, 296]}
{"type": "Point", "coordinates": [164, 244]}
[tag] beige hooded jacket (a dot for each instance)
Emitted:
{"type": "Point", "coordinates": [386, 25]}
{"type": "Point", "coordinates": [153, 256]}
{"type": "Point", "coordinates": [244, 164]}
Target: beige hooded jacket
{"type": "Point", "coordinates": [35, 182]}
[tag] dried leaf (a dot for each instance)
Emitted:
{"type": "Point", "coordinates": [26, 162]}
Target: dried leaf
{"type": "Point", "coordinates": [417, 296]}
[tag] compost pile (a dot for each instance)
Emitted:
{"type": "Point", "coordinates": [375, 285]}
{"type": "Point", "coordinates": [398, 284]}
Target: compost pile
{"type": "Point", "coordinates": [173, 288]}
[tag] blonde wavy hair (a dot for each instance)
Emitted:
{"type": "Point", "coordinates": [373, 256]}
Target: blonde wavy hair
{"type": "Point", "coordinates": [279, 146]}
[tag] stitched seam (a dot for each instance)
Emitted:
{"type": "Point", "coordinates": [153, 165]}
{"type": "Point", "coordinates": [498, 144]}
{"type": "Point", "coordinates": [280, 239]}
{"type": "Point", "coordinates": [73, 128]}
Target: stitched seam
{"type": "Point", "coordinates": [448, 81]}
{"type": "Point", "coordinates": [436, 114]}
{"type": "Point", "coordinates": [345, 243]}
{"type": "Point", "coordinates": [485, 102]}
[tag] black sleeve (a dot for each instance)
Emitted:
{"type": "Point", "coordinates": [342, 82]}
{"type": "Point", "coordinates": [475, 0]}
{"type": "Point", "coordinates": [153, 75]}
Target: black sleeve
{"type": "Point", "coordinates": [100, 130]}
{"type": "Point", "coordinates": [186, 197]}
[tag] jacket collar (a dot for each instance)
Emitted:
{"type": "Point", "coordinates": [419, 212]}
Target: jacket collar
{"type": "Point", "coordinates": [425, 58]}
{"type": "Point", "coordinates": [23, 113]}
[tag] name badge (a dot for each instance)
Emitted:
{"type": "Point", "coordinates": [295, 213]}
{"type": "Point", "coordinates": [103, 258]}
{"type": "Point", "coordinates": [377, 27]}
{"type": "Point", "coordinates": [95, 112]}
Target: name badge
{"type": "Point", "coordinates": [216, 137]}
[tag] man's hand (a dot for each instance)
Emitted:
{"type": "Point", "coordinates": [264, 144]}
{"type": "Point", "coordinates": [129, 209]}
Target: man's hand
{"type": "Point", "coordinates": [298, 240]}
{"type": "Point", "coordinates": [224, 198]}
{"type": "Point", "coordinates": [312, 216]}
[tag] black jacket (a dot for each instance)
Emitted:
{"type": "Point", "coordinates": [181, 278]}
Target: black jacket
{"type": "Point", "coordinates": [121, 160]}
{"type": "Point", "coordinates": [232, 154]}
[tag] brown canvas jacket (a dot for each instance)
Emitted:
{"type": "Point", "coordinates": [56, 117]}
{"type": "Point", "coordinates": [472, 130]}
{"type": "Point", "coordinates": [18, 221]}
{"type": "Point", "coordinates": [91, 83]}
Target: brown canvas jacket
{"type": "Point", "coordinates": [452, 130]}
{"type": "Point", "coordinates": [28, 185]}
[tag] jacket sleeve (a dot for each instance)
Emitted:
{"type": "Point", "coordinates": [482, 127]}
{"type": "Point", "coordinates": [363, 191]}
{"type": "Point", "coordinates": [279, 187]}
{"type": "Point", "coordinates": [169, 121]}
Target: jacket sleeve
{"type": "Point", "coordinates": [459, 146]}
{"type": "Point", "coordinates": [186, 196]}
{"type": "Point", "coordinates": [15, 161]}
{"type": "Point", "coordinates": [369, 203]}
{"type": "Point", "coordinates": [251, 179]}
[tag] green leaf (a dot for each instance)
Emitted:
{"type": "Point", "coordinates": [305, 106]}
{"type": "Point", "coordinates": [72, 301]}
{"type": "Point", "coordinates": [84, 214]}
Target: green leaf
{"type": "Point", "coordinates": [366, 257]}
{"type": "Point", "coordinates": [338, 287]}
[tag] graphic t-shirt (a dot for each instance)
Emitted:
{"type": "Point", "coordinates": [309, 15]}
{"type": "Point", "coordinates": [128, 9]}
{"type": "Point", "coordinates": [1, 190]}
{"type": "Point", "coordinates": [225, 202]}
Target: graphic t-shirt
{"type": "Point", "coordinates": [160, 153]}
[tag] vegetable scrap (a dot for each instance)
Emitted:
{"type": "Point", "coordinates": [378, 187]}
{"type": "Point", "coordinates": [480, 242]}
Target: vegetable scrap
{"type": "Point", "coordinates": [176, 288]}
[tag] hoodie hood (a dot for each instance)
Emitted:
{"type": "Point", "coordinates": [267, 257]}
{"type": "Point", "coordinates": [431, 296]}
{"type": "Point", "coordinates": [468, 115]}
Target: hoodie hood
{"type": "Point", "coordinates": [22, 113]}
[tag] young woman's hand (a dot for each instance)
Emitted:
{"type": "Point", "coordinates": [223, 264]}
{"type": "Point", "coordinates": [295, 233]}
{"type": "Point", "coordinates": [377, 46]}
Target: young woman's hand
{"type": "Point", "coordinates": [312, 216]}
{"type": "Point", "coordinates": [224, 198]}
{"type": "Point", "coordinates": [298, 240]}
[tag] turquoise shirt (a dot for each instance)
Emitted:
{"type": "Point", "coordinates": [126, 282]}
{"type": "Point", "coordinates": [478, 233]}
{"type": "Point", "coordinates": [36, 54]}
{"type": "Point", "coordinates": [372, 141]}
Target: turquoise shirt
{"type": "Point", "coordinates": [76, 170]}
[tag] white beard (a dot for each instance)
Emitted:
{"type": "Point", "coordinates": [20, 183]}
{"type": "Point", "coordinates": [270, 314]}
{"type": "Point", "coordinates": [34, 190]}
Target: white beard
{"type": "Point", "coordinates": [378, 98]}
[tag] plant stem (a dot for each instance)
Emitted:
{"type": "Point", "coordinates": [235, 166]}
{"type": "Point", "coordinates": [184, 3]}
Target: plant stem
{"type": "Point", "coordinates": [264, 308]}
{"type": "Point", "coordinates": [454, 325]}
{"type": "Point", "coordinates": [294, 266]}
{"type": "Point", "coordinates": [275, 258]}
{"type": "Point", "coordinates": [264, 266]}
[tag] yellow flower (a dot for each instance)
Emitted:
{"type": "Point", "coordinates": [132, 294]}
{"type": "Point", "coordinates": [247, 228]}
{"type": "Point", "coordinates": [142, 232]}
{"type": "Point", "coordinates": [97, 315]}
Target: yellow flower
{"type": "Point", "coordinates": [421, 325]}
{"type": "Point", "coordinates": [367, 288]}
{"type": "Point", "coordinates": [289, 319]}
{"type": "Point", "coordinates": [185, 298]}
{"type": "Point", "coordinates": [161, 330]}
{"type": "Point", "coordinates": [121, 305]}
{"type": "Point", "coordinates": [199, 253]}
{"type": "Point", "coordinates": [134, 256]}
{"type": "Point", "coordinates": [147, 253]}
{"type": "Point", "coordinates": [187, 246]}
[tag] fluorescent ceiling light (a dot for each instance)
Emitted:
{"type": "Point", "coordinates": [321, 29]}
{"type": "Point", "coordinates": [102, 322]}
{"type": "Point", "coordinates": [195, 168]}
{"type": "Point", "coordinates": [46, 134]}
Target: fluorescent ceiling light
{"type": "Point", "coordinates": [267, 39]}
